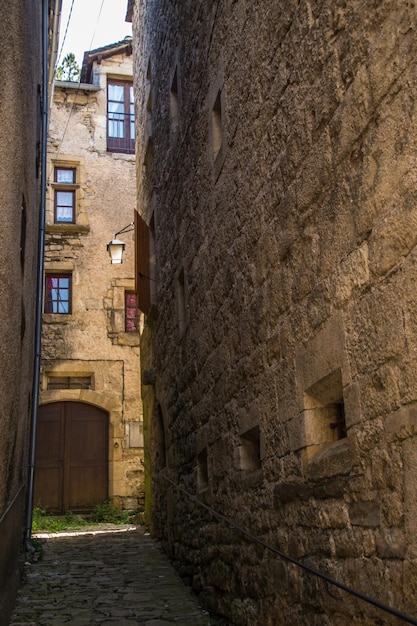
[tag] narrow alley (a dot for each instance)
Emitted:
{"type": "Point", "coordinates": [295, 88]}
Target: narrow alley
{"type": "Point", "coordinates": [115, 577]}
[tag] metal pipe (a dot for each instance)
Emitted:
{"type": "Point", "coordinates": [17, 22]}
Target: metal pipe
{"type": "Point", "coordinates": [54, 47]}
{"type": "Point", "coordinates": [38, 322]}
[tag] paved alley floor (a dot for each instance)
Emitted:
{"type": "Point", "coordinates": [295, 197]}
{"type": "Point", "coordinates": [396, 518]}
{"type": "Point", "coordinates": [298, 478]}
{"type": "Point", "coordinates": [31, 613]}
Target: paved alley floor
{"type": "Point", "coordinates": [108, 578]}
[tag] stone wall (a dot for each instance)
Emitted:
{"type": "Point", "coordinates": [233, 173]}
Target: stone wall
{"type": "Point", "coordinates": [20, 72]}
{"type": "Point", "coordinates": [277, 158]}
{"type": "Point", "coordinates": [92, 341]}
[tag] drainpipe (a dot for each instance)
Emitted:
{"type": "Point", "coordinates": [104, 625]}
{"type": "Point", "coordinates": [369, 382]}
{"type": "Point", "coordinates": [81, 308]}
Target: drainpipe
{"type": "Point", "coordinates": [38, 322]}
{"type": "Point", "coordinates": [54, 48]}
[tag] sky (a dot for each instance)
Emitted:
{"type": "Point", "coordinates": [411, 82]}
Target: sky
{"type": "Point", "coordinates": [89, 29]}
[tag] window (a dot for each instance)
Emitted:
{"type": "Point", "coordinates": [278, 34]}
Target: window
{"type": "Point", "coordinates": [217, 126]}
{"type": "Point", "coordinates": [148, 97]}
{"type": "Point", "coordinates": [202, 471]}
{"type": "Point", "coordinates": [69, 382]}
{"type": "Point", "coordinates": [120, 116]}
{"type": "Point", "coordinates": [131, 312]}
{"type": "Point", "coordinates": [324, 413]}
{"type": "Point", "coordinates": [174, 106]}
{"type": "Point", "coordinates": [58, 293]}
{"type": "Point", "coordinates": [64, 185]}
{"type": "Point", "coordinates": [23, 227]}
{"type": "Point", "coordinates": [250, 450]}
{"type": "Point", "coordinates": [182, 308]}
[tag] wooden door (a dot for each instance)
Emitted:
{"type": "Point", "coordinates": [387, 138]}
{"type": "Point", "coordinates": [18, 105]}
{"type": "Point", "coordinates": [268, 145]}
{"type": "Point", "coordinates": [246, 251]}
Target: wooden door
{"type": "Point", "coordinates": [72, 457]}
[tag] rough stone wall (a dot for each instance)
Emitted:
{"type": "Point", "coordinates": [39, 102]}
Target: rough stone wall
{"type": "Point", "coordinates": [92, 340]}
{"type": "Point", "coordinates": [20, 73]}
{"type": "Point", "coordinates": [283, 193]}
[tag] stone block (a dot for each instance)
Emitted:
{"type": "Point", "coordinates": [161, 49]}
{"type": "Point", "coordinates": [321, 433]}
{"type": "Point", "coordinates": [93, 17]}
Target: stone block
{"type": "Point", "coordinates": [402, 423]}
{"type": "Point", "coordinates": [365, 513]}
{"type": "Point", "coordinates": [391, 544]}
{"type": "Point", "coordinates": [352, 274]}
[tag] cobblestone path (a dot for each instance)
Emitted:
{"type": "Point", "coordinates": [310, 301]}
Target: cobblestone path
{"type": "Point", "coordinates": [111, 578]}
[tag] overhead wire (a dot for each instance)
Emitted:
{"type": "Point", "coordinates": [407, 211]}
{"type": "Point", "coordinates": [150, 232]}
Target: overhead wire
{"type": "Point", "coordinates": [79, 81]}
{"type": "Point", "coordinates": [65, 35]}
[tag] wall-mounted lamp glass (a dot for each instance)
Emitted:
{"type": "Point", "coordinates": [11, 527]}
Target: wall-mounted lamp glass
{"type": "Point", "coordinates": [116, 247]}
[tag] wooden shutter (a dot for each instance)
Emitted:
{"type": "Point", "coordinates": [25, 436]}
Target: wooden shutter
{"type": "Point", "coordinates": [142, 269]}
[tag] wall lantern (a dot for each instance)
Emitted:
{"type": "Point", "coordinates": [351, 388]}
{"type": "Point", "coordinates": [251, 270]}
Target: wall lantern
{"type": "Point", "coordinates": [116, 247]}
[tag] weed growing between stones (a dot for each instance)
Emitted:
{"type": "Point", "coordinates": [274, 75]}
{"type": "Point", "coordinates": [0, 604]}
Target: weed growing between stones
{"type": "Point", "coordinates": [106, 513]}
{"type": "Point", "coordinates": [44, 521]}
{"type": "Point", "coordinates": [109, 513]}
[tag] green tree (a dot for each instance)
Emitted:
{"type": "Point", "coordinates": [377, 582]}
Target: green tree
{"type": "Point", "coordinates": [69, 69]}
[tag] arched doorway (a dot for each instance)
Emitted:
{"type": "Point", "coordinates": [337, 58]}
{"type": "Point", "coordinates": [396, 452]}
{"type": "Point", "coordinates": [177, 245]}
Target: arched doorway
{"type": "Point", "coordinates": [72, 457]}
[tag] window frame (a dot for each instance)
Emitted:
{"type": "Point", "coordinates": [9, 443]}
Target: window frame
{"type": "Point", "coordinates": [126, 143]}
{"type": "Point", "coordinates": [128, 294]}
{"type": "Point", "coordinates": [49, 301]}
{"type": "Point", "coordinates": [55, 383]}
{"type": "Point", "coordinates": [63, 187]}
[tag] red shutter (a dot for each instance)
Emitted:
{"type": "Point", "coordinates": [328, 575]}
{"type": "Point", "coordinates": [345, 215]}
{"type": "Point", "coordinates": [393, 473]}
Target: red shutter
{"type": "Point", "coordinates": [143, 283]}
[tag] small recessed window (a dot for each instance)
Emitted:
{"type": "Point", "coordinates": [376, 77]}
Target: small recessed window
{"type": "Point", "coordinates": [65, 194]}
{"type": "Point", "coordinates": [202, 470]}
{"type": "Point", "coordinates": [23, 227]}
{"type": "Point", "coordinates": [65, 175]}
{"type": "Point", "coordinates": [131, 312]}
{"type": "Point", "coordinates": [58, 289]}
{"type": "Point", "coordinates": [148, 99]}
{"type": "Point", "coordinates": [337, 422]}
{"type": "Point", "coordinates": [69, 382]}
{"type": "Point", "coordinates": [250, 450]}
{"type": "Point", "coordinates": [324, 413]}
{"type": "Point", "coordinates": [217, 126]}
{"type": "Point", "coordinates": [181, 303]}
{"type": "Point", "coordinates": [174, 105]}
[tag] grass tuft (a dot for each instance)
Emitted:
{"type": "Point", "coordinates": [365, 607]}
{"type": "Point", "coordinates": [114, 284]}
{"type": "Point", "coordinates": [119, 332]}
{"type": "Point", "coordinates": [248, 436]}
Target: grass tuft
{"type": "Point", "coordinates": [107, 513]}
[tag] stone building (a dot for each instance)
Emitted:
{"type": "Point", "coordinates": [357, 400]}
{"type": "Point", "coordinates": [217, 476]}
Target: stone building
{"type": "Point", "coordinates": [24, 26]}
{"type": "Point", "coordinates": [277, 184]}
{"type": "Point", "coordinates": [90, 439]}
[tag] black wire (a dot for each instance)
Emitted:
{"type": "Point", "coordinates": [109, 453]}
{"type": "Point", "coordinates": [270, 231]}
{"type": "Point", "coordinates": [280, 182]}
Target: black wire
{"type": "Point", "coordinates": [65, 35]}
{"type": "Point", "coordinates": [125, 229]}
{"type": "Point", "coordinates": [310, 570]}
{"type": "Point", "coordinates": [79, 81]}
{"type": "Point", "coordinates": [148, 277]}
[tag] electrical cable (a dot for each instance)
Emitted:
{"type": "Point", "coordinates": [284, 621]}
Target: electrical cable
{"type": "Point", "coordinates": [65, 35]}
{"type": "Point", "coordinates": [282, 555]}
{"type": "Point", "coordinates": [95, 27]}
{"type": "Point", "coordinates": [79, 81]}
